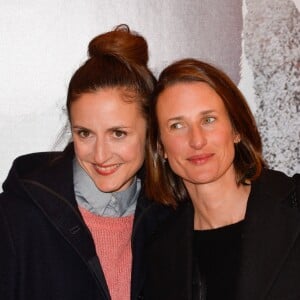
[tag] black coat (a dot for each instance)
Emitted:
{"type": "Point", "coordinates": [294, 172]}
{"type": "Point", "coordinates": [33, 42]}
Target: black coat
{"type": "Point", "coordinates": [270, 267]}
{"type": "Point", "coordinates": [46, 250]}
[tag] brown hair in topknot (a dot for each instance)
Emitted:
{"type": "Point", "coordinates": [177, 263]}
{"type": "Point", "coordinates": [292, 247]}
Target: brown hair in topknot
{"type": "Point", "coordinates": [117, 58]}
{"type": "Point", "coordinates": [122, 44]}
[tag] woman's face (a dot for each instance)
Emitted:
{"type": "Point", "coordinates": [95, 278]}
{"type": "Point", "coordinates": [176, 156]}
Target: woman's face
{"type": "Point", "coordinates": [109, 137]}
{"type": "Point", "coordinates": [196, 133]}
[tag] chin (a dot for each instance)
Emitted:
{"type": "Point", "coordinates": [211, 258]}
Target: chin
{"type": "Point", "coordinates": [110, 188]}
{"type": "Point", "coordinates": [106, 189]}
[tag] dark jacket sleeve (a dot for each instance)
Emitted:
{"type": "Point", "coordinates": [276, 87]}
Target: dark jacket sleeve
{"type": "Point", "coordinates": [8, 259]}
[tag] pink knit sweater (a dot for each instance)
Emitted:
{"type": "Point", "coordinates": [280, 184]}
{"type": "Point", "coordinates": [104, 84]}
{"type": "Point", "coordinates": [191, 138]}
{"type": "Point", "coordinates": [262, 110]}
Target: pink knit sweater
{"type": "Point", "coordinates": [112, 237]}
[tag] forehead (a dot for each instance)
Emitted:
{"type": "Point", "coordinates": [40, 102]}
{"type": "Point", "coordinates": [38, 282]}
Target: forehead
{"type": "Point", "coordinates": [105, 103]}
{"type": "Point", "coordinates": [189, 97]}
{"type": "Point", "coordinates": [116, 96]}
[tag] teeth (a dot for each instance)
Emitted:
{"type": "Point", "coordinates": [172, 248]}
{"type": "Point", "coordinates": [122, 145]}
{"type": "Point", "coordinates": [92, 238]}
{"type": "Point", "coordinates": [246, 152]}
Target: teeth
{"type": "Point", "coordinates": [107, 168]}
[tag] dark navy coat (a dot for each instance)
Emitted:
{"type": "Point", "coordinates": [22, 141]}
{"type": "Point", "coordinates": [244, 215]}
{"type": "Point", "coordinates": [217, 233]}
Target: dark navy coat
{"type": "Point", "coordinates": [46, 250]}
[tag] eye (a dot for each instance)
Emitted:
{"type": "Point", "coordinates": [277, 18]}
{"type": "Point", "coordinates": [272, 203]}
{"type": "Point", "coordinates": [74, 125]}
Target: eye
{"type": "Point", "coordinates": [83, 133]}
{"type": "Point", "coordinates": [209, 120]}
{"type": "Point", "coordinates": [119, 134]}
{"type": "Point", "coordinates": [176, 125]}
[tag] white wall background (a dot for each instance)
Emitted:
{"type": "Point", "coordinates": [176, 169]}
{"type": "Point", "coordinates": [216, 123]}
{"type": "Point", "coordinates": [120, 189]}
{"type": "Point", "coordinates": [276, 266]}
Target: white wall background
{"type": "Point", "coordinates": [43, 42]}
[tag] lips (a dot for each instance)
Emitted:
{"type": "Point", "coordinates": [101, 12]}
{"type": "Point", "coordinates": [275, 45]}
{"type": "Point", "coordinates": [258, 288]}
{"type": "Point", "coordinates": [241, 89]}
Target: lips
{"type": "Point", "coordinates": [106, 170]}
{"type": "Point", "coordinates": [200, 159]}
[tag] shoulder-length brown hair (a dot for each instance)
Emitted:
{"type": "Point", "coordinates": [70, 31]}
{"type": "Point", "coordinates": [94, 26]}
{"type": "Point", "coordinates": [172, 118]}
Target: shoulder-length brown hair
{"type": "Point", "coordinates": [162, 184]}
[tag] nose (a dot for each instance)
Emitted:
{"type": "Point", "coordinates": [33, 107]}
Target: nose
{"type": "Point", "coordinates": [197, 138]}
{"type": "Point", "coordinates": [102, 151]}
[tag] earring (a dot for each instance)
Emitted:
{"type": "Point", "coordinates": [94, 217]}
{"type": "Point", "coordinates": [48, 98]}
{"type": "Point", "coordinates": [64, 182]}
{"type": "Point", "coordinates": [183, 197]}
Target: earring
{"type": "Point", "coordinates": [237, 139]}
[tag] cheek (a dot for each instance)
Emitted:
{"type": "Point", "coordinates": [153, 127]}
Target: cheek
{"type": "Point", "coordinates": [173, 146]}
{"type": "Point", "coordinates": [134, 151]}
{"type": "Point", "coordinates": [222, 136]}
{"type": "Point", "coordinates": [225, 142]}
{"type": "Point", "coordinates": [81, 150]}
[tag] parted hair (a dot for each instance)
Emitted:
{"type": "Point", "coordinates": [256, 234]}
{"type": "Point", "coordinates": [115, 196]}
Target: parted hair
{"type": "Point", "coordinates": [162, 184]}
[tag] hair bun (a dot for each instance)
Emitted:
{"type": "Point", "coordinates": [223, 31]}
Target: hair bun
{"type": "Point", "coordinates": [121, 43]}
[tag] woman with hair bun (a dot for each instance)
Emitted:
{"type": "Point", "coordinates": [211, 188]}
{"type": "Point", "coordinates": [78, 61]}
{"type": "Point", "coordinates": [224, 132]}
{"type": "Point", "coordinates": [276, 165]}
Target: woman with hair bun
{"type": "Point", "coordinates": [71, 222]}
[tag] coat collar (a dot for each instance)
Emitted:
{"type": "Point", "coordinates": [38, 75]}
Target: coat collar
{"type": "Point", "coordinates": [272, 225]}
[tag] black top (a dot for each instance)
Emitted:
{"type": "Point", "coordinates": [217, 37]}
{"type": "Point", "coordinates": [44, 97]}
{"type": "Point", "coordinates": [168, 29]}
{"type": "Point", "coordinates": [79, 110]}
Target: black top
{"type": "Point", "coordinates": [217, 253]}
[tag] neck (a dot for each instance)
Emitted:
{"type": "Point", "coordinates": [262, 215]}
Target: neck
{"type": "Point", "coordinates": [218, 204]}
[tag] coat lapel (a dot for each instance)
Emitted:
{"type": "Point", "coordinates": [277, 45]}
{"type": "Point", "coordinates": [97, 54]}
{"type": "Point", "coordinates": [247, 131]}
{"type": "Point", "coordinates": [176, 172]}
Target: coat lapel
{"type": "Point", "coordinates": [148, 216]}
{"type": "Point", "coordinates": [272, 225]}
{"type": "Point", "coordinates": [52, 191]}
{"type": "Point", "coordinates": [170, 253]}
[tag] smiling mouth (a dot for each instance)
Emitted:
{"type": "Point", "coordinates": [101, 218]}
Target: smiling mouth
{"type": "Point", "coordinates": [107, 170]}
{"type": "Point", "coordinates": [199, 159]}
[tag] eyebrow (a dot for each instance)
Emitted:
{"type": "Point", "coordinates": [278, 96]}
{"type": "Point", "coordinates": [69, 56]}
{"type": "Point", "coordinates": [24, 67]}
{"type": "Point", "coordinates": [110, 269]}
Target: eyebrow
{"type": "Point", "coordinates": [118, 127]}
{"type": "Point", "coordinates": [108, 129]}
{"type": "Point", "coordinates": [207, 112]}
{"type": "Point", "coordinates": [202, 113]}
{"type": "Point", "coordinates": [79, 127]}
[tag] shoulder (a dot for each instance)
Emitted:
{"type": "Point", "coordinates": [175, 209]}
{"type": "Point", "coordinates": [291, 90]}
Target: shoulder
{"type": "Point", "coordinates": [28, 162]}
{"type": "Point", "coordinates": [150, 210]}
{"type": "Point", "coordinates": [36, 164]}
{"type": "Point", "coordinates": [27, 166]}
{"type": "Point", "coordinates": [276, 181]}
{"type": "Point", "coordinates": [35, 176]}
{"type": "Point", "coordinates": [278, 187]}
{"type": "Point", "coordinates": [174, 222]}
{"type": "Point", "coordinates": [274, 174]}
{"type": "Point", "coordinates": [24, 167]}
{"type": "Point", "coordinates": [50, 169]}
{"type": "Point", "coordinates": [296, 178]}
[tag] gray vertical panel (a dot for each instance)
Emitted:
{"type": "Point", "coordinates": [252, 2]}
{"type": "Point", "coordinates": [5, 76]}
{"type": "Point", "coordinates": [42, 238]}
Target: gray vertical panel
{"type": "Point", "coordinates": [272, 47]}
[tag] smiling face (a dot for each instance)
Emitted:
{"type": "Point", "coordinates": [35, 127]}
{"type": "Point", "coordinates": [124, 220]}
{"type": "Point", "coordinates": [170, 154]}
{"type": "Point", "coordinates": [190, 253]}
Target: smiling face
{"type": "Point", "coordinates": [196, 133]}
{"type": "Point", "coordinates": [109, 137]}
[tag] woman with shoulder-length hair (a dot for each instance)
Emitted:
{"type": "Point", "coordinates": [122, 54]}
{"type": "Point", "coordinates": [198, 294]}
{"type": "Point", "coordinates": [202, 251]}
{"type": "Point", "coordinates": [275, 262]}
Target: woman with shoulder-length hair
{"type": "Point", "coordinates": [71, 222]}
{"type": "Point", "coordinates": [234, 233]}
